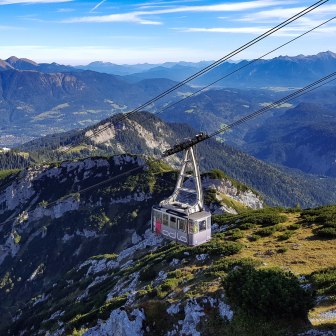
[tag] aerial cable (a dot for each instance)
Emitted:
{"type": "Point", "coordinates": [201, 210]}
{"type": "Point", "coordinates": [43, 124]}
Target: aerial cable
{"type": "Point", "coordinates": [313, 86]}
{"type": "Point", "coordinates": [210, 67]}
{"type": "Point", "coordinates": [242, 67]}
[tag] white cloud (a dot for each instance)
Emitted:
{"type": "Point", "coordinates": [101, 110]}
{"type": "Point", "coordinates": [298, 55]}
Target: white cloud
{"type": "Point", "coordinates": [4, 28]}
{"type": "Point", "coordinates": [290, 31]}
{"type": "Point", "coordinates": [85, 54]}
{"type": "Point", "coordinates": [65, 10]}
{"type": "Point", "coordinates": [97, 6]}
{"type": "Point", "coordinates": [285, 13]}
{"type": "Point", "coordinates": [13, 2]}
{"type": "Point", "coordinates": [237, 30]}
{"type": "Point", "coordinates": [137, 16]}
{"type": "Point", "coordinates": [125, 17]}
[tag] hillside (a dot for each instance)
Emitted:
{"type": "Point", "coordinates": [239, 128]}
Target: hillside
{"type": "Point", "coordinates": [50, 224]}
{"type": "Point", "coordinates": [303, 138]}
{"type": "Point", "coordinates": [297, 135]}
{"type": "Point", "coordinates": [146, 134]}
{"type": "Point", "coordinates": [33, 103]}
{"type": "Point", "coordinates": [227, 286]}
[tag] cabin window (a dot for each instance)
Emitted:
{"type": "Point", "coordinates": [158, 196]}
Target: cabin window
{"type": "Point", "coordinates": [172, 223]}
{"type": "Point", "coordinates": [209, 223]}
{"type": "Point", "coordinates": [193, 227]}
{"type": "Point", "coordinates": [202, 225]}
{"type": "Point", "coordinates": [182, 225]}
{"type": "Point", "coordinates": [157, 216]}
{"type": "Point", "coordinates": [165, 219]}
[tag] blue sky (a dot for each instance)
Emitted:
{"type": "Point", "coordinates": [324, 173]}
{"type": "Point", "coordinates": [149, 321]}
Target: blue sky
{"type": "Point", "coordinates": [78, 32]}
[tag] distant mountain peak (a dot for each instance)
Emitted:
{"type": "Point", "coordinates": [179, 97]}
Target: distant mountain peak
{"type": "Point", "coordinates": [21, 63]}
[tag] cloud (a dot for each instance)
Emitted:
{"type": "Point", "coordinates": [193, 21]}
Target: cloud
{"type": "Point", "coordinates": [290, 31]}
{"type": "Point", "coordinates": [85, 54]}
{"type": "Point", "coordinates": [4, 28]}
{"type": "Point", "coordinates": [97, 6]}
{"type": "Point", "coordinates": [237, 30]}
{"type": "Point", "coordinates": [138, 16]}
{"type": "Point", "coordinates": [13, 2]}
{"type": "Point", "coordinates": [284, 13]}
{"type": "Point", "coordinates": [125, 17]}
{"type": "Point", "coordinates": [65, 10]}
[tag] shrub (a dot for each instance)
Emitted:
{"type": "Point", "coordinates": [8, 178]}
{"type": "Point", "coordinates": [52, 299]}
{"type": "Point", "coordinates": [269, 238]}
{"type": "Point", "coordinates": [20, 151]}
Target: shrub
{"type": "Point", "coordinates": [271, 292]}
{"type": "Point", "coordinates": [264, 217]}
{"type": "Point", "coordinates": [218, 247]}
{"type": "Point", "coordinates": [236, 234]}
{"type": "Point", "coordinates": [254, 237]}
{"type": "Point", "coordinates": [247, 226]}
{"type": "Point", "coordinates": [324, 281]}
{"type": "Point", "coordinates": [326, 232]}
{"type": "Point", "coordinates": [282, 250]}
{"type": "Point", "coordinates": [286, 235]}
{"type": "Point", "coordinates": [294, 226]}
{"type": "Point", "coordinates": [267, 231]}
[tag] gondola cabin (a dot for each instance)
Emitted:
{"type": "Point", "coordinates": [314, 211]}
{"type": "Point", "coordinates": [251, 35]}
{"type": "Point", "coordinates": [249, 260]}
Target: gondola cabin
{"type": "Point", "coordinates": [177, 218]}
{"type": "Point", "coordinates": [193, 229]}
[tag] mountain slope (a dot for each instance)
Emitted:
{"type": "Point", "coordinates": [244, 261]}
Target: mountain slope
{"type": "Point", "coordinates": [154, 287]}
{"type": "Point", "coordinates": [64, 225]}
{"type": "Point", "coordinates": [284, 71]}
{"type": "Point", "coordinates": [34, 103]}
{"type": "Point", "coordinates": [146, 134]}
{"type": "Point", "coordinates": [302, 138]}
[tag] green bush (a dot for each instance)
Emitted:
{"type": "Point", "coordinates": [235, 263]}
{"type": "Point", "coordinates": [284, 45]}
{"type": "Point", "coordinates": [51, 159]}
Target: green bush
{"type": "Point", "coordinates": [282, 250]}
{"type": "Point", "coordinates": [235, 234]}
{"type": "Point", "coordinates": [264, 217]}
{"type": "Point", "coordinates": [294, 226]}
{"type": "Point", "coordinates": [286, 235]}
{"type": "Point", "coordinates": [324, 281]}
{"type": "Point", "coordinates": [267, 231]}
{"type": "Point", "coordinates": [270, 292]}
{"type": "Point", "coordinates": [254, 237]}
{"type": "Point", "coordinates": [326, 232]}
{"type": "Point", "coordinates": [247, 226]}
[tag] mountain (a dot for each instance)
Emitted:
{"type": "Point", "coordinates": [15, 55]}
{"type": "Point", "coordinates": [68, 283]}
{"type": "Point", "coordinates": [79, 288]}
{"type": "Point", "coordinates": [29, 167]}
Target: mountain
{"type": "Point", "coordinates": [88, 264]}
{"type": "Point", "coordinates": [146, 134]}
{"type": "Point", "coordinates": [303, 138]}
{"type": "Point", "coordinates": [299, 134]}
{"type": "Point", "coordinates": [115, 69]}
{"type": "Point", "coordinates": [26, 64]}
{"type": "Point", "coordinates": [135, 72]}
{"type": "Point", "coordinates": [283, 71]}
{"type": "Point", "coordinates": [34, 103]}
{"type": "Point", "coordinates": [65, 223]}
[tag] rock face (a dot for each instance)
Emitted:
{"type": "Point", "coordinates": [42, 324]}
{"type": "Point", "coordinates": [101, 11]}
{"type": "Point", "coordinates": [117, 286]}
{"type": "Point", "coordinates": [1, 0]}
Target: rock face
{"type": "Point", "coordinates": [224, 189]}
{"type": "Point", "coordinates": [119, 323]}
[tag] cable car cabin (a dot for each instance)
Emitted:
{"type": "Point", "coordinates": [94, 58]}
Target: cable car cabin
{"type": "Point", "coordinates": [193, 229]}
{"type": "Point", "coordinates": [181, 217]}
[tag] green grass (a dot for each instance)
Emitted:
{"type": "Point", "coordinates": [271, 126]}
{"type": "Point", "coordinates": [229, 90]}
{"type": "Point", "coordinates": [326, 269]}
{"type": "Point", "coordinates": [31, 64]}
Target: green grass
{"type": "Point", "coordinates": [6, 173]}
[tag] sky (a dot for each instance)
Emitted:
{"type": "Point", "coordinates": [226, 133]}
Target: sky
{"type": "Point", "coordinates": [129, 32]}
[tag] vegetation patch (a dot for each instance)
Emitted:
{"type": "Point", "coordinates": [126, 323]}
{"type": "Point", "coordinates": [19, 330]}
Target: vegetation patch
{"type": "Point", "coordinates": [325, 218]}
{"type": "Point", "coordinates": [263, 217]}
{"type": "Point", "coordinates": [324, 281]}
{"type": "Point", "coordinates": [269, 292]}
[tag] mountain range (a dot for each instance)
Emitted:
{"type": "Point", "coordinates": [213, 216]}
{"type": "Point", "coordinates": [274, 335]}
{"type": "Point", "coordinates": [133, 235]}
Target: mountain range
{"type": "Point", "coordinates": [284, 71]}
{"type": "Point", "coordinates": [77, 256]}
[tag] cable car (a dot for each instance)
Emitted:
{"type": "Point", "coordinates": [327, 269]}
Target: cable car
{"type": "Point", "coordinates": [181, 217]}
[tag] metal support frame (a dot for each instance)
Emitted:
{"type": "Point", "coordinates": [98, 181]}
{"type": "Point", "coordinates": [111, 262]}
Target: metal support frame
{"type": "Point", "coordinates": [189, 163]}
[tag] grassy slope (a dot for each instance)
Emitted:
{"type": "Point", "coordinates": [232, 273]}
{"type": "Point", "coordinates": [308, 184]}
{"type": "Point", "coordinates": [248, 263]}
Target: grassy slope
{"type": "Point", "coordinates": [303, 253]}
